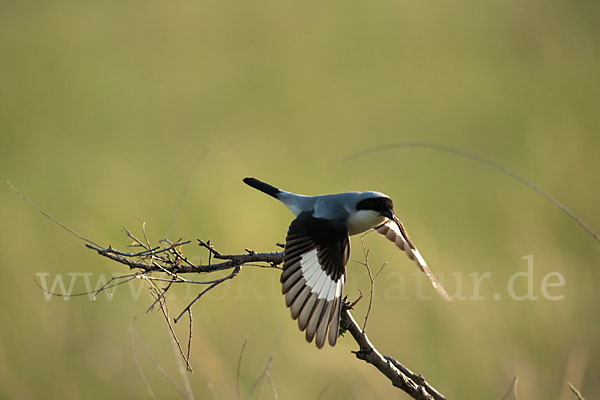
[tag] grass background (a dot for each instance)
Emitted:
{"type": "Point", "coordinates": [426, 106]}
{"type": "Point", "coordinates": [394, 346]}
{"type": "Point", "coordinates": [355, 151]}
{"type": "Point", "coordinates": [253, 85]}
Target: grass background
{"type": "Point", "coordinates": [113, 111]}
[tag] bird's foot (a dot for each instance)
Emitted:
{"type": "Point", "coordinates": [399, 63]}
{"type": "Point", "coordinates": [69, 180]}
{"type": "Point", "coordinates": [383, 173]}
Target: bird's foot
{"type": "Point", "coordinates": [350, 306]}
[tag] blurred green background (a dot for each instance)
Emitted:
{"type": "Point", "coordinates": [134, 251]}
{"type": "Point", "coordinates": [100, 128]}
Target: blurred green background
{"type": "Point", "coordinates": [118, 111]}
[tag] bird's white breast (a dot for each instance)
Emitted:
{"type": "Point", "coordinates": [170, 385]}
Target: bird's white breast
{"type": "Point", "coordinates": [363, 220]}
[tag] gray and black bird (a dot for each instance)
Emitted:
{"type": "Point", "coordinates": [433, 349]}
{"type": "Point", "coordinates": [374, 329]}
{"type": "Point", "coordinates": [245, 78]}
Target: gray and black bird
{"type": "Point", "coordinates": [317, 248]}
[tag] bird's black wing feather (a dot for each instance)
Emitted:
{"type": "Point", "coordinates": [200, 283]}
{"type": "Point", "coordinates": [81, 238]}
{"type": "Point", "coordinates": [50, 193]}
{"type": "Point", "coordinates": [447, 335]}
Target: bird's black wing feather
{"type": "Point", "coordinates": [314, 272]}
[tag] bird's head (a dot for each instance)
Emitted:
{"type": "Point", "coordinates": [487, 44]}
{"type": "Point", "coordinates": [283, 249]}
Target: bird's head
{"type": "Point", "coordinates": [372, 208]}
{"type": "Point", "coordinates": [377, 202]}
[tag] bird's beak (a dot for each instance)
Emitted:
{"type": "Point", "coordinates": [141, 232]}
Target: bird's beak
{"type": "Point", "coordinates": [394, 218]}
{"type": "Point", "coordinates": [390, 214]}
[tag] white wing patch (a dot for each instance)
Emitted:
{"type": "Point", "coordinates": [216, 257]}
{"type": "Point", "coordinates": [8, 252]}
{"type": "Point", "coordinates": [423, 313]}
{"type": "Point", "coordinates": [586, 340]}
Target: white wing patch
{"type": "Point", "coordinates": [316, 277]}
{"type": "Point", "coordinates": [309, 264]}
{"type": "Point", "coordinates": [314, 298]}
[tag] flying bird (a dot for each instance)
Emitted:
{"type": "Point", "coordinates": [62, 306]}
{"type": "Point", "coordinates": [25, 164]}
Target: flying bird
{"type": "Point", "coordinates": [317, 248]}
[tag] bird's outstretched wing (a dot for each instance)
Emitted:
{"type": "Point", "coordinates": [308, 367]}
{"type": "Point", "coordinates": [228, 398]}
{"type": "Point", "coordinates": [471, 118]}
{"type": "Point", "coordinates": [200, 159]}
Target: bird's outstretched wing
{"type": "Point", "coordinates": [394, 231]}
{"type": "Point", "coordinates": [314, 272]}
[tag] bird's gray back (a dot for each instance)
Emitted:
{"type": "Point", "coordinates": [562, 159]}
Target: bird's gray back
{"type": "Point", "coordinates": [330, 206]}
{"type": "Point", "coordinates": [297, 203]}
{"type": "Point", "coordinates": [336, 206]}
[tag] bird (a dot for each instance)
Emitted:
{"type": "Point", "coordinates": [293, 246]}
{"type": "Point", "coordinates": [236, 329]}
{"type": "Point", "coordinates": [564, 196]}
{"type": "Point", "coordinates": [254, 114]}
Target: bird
{"type": "Point", "coordinates": [317, 248]}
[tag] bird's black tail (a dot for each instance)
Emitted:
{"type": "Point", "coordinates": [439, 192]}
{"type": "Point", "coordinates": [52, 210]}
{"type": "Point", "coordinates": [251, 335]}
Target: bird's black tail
{"type": "Point", "coordinates": [263, 187]}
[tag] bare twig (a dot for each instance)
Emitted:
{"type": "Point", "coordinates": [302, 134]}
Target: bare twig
{"type": "Point", "coordinates": [189, 346]}
{"type": "Point", "coordinates": [371, 282]}
{"type": "Point", "coordinates": [45, 214]}
{"type": "Point", "coordinates": [155, 292]}
{"type": "Point", "coordinates": [371, 279]}
{"type": "Point", "coordinates": [104, 288]}
{"type": "Point", "coordinates": [232, 261]}
{"type": "Point", "coordinates": [161, 295]}
{"type": "Point", "coordinates": [183, 369]}
{"type": "Point", "coordinates": [402, 378]}
{"type": "Point", "coordinates": [576, 392]}
{"type": "Point", "coordinates": [260, 378]}
{"type": "Point", "coordinates": [512, 390]}
{"type": "Point", "coordinates": [272, 384]}
{"type": "Point", "coordinates": [355, 302]}
{"type": "Point", "coordinates": [136, 241]}
{"type": "Point", "coordinates": [145, 235]}
{"type": "Point", "coordinates": [239, 367]}
{"type": "Point", "coordinates": [108, 284]}
{"type": "Point", "coordinates": [235, 271]}
{"type": "Point", "coordinates": [323, 391]}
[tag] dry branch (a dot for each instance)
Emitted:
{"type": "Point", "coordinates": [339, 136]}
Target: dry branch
{"type": "Point", "coordinates": [400, 376]}
{"type": "Point", "coordinates": [168, 260]}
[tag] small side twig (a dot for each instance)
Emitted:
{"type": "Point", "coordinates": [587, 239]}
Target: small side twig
{"type": "Point", "coordinates": [239, 367]}
{"type": "Point", "coordinates": [575, 392]}
{"type": "Point", "coordinates": [104, 288]}
{"type": "Point", "coordinates": [512, 390]}
{"type": "Point", "coordinates": [155, 292]}
{"type": "Point", "coordinates": [233, 274]}
{"type": "Point", "coordinates": [371, 279]}
{"type": "Point", "coordinates": [272, 384]}
{"type": "Point", "coordinates": [323, 391]}
{"type": "Point", "coordinates": [45, 214]}
{"type": "Point", "coordinates": [260, 378]}
{"type": "Point", "coordinates": [189, 345]}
